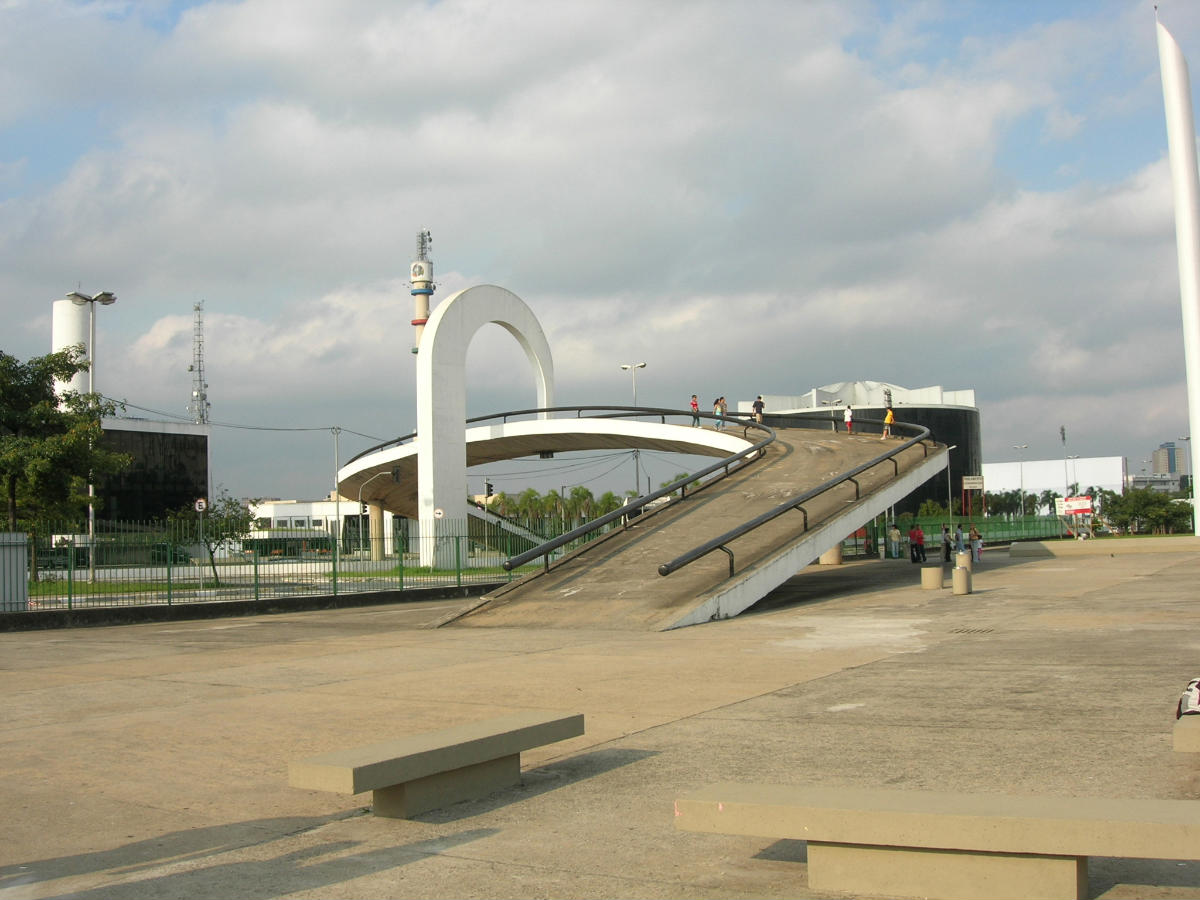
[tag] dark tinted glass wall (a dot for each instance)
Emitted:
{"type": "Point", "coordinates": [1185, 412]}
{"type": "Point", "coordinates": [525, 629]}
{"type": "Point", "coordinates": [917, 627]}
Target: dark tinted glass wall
{"type": "Point", "coordinates": [169, 471]}
{"type": "Point", "coordinates": [955, 426]}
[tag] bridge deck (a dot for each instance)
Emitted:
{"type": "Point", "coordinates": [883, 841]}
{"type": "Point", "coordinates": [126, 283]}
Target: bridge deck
{"type": "Point", "coordinates": [615, 583]}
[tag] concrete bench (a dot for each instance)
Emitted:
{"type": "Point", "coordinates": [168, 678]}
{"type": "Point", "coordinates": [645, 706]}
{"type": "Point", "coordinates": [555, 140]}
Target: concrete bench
{"type": "Point", "coordinates": [1185, 736]}
{"type": "Point", "coordinates": [927, 844]}
{"type": "Point", "coordinates": [412, 775]}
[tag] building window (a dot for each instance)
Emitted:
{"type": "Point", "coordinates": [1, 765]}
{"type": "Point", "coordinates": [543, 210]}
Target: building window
{"type": "Point", "coordinates": [299, 523]}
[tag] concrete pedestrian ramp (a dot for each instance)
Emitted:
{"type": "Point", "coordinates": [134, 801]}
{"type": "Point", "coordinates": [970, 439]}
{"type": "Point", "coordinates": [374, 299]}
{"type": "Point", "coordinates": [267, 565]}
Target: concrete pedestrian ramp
{"type": "Point", "coordinates": [614, 582]}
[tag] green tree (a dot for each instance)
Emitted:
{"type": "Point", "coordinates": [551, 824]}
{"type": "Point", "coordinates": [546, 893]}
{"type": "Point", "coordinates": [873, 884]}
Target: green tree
{"type": "Point", "coordinates": [607, 503]}
{"type": "Point", "coordinates": [1047, 499]}
{"type": "Point", "coordinates": [49, 445]}
{"type": "Point", "coordinates": [581, 503]}
{"type": "Point", "coordinates": [226, 520]}
{"type": "Point", "coordinates": [529, 503]}
{"type": "Point", "coordinates": [931, 509]}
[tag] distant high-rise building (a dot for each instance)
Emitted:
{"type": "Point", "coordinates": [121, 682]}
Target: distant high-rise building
{"type": "Point", "coordinates": [1169, 460]}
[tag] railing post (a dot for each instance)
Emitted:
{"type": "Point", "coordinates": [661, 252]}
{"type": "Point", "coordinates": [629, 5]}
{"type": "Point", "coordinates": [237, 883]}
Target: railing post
{"type": "Point", "coordinates": [70, 573]}
{"type": "Point", "coordinates": [458, 560]}
{"type": "Point", "coordinates": [170, 559]}
{"type": "Point", "coordinates": [334, 559]}
{"type": "Point", "coordinates": [254, 562]}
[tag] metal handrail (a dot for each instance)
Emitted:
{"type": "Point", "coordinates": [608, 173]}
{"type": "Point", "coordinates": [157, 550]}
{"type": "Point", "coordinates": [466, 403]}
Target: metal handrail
{"type": "Point", "coordinates": [614, 412]}
{"type": "Point", "coordinates": [718, 543]}
{"type": "Point", "coordinates": [544, 550]}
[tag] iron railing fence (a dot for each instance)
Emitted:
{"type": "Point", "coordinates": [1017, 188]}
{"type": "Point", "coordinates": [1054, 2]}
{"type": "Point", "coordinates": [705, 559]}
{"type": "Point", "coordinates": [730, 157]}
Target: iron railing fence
{"type": "Point", "coordinates": [147, 564]}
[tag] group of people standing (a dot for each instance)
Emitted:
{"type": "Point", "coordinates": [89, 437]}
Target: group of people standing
{"type": "Point", "coordinates": [721, 411]}
{"type": "Point", "coordinates": [916, 542]}
{"type": "Point", "coordinates": [960, 543]}
{"type": "Point", "coordinates": [889, 420]}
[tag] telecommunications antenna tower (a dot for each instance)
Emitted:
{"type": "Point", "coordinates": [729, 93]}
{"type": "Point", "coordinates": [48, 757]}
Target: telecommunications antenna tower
{"type": "Point", "coordinates": [198, 406]}
{"type": "Point", "coordinates": [422, 285]}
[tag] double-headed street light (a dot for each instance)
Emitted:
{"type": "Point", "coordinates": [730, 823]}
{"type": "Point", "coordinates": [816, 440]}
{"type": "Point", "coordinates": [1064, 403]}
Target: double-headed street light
{"type": "Point", "coordinates": [637, 469]}
{"type": "Point", "coordinates": [104, 298]}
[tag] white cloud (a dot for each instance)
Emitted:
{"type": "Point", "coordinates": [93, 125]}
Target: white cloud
{"type": "Point", "coordinates": [759, 198]}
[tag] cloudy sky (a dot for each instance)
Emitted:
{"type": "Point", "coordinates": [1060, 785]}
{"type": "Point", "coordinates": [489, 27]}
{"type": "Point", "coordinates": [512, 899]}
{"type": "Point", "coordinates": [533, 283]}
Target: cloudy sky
{"type": "Point", "coordinates": [752, 197]}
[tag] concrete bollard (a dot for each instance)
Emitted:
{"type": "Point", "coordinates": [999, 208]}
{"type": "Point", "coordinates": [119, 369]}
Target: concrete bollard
{"type": "Point", "coordinates": [831, 557]}
{"type": "Point", "coordinates": [933, 578]}
{"type": "Point", "coordinates": [962, 580]}
{"type": "Point", "coordinates": [963, 560]}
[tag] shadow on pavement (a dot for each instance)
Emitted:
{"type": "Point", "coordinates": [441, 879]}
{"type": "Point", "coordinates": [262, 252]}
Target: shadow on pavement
{"type": "Point", "coordinates": [293, 872]}
{"type": "Point", "coordinates": [538, 781]}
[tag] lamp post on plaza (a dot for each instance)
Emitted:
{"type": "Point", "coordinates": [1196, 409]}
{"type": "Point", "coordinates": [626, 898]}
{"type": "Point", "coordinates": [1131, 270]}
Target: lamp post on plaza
{"type": "Point", "coordinates": [637, 468]}
{"type": "Point", "coordinates": [104, 298]}
{"type": "Point", "coordinates": [1021, 475]}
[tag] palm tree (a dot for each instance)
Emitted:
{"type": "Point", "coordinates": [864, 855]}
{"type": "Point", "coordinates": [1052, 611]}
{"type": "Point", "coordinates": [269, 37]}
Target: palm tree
{"type": "Point", "coordinates": [581, 502]}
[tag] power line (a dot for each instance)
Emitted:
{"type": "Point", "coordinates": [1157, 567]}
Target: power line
{"type": "Point", "coordinates": [174, 416]}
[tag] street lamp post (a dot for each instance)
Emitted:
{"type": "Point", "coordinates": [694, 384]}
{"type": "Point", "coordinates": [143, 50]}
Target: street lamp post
{"type": "Point", "coordinates": [104, 298]}
{"type": "Point", "coordinates": [637, 467]}
{"type": "Point", "coordinates": [1021, 475]}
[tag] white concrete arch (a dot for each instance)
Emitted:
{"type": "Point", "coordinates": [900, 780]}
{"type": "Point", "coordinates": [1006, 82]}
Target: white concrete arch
{"type": "Point", "coordinates": [442, 392]}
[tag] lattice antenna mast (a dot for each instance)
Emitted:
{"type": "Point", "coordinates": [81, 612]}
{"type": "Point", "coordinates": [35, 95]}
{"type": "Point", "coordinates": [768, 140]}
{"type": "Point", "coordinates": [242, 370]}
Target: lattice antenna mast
{"type": "Point", "coordinates": [198, 406]}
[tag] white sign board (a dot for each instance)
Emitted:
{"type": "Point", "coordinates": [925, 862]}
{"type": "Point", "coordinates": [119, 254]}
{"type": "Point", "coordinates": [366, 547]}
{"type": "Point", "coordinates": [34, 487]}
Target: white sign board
{"type": "Point", "coordinates": [201, 505]}
{"type": "Point", "coordinates": [972, 482]}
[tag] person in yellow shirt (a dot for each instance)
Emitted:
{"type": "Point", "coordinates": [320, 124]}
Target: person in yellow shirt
{"type": "Point", "coordinates": [888, 420]}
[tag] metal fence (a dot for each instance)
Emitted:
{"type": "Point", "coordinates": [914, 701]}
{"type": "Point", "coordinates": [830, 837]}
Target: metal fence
{"type": "Point", "coordinates": [140, 564]}
{"type": "Point", "coordinates": [993, 530]}
{"type": "Point", "coordinates": [147, 564]}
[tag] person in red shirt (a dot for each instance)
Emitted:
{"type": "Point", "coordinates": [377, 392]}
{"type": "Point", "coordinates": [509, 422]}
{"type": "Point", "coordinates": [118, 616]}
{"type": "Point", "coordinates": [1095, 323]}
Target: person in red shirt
{"type": "Point", "coordinates": [695, 412]}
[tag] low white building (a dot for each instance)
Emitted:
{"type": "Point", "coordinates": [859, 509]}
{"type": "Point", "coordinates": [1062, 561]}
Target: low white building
{"type": "Point", "coordinates": [324, 515]}
{"type": "Point", "coordinates": [1037, 475]}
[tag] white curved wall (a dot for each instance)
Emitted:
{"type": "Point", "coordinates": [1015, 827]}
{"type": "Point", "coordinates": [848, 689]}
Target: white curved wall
{"type": "Point", "coordinates": [442, 391]}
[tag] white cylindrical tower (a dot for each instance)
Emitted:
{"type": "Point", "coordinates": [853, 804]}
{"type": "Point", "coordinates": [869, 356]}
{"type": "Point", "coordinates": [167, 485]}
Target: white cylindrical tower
{"type": "Point", "coordinates": [69, 325]}
{"type": "Point", "coordinates": [421, 274]}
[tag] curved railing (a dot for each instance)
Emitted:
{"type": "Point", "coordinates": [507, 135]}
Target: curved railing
{"type": "Point", "coordinates": [720, 542]}
{"type": "Point", "coordinates": [612, 412]}
{"type": "Point", "coordinates": [635, 506]}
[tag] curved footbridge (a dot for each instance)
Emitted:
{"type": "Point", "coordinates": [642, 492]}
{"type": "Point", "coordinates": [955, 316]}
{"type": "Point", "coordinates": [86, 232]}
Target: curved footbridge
{"type": "Point", "coordinates": [614, 581]}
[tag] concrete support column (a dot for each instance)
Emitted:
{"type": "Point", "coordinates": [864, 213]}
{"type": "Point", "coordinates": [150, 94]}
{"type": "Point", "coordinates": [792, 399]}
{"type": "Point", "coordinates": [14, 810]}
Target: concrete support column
{"type": "Point", "coordinates": [831, 557]}
{"type": "Point", "coordinates": [376, 531]}
{"type": "Point", "coordinates": [933, 578]}
{"type": "Point", "coordinates": [962, 580]}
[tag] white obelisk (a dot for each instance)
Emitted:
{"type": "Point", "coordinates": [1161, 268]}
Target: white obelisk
{"type": "Point", "coordinates": [1181, 150]}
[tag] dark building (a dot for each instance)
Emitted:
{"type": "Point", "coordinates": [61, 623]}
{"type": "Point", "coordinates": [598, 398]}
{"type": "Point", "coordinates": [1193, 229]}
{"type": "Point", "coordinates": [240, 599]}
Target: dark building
{"type": "Point", "coordinates": [169, 469]}
{"type": "Point", "coordinates": [954, 421]}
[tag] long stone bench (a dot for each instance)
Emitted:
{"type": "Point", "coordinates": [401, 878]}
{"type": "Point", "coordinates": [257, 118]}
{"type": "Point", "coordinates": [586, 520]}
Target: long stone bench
{"type": "Point", "coordinates": [427, 771]}
{"type": "Point", "coordinates": [930, 844]}
{"type": "Point", "coordinates": [1185, 736]}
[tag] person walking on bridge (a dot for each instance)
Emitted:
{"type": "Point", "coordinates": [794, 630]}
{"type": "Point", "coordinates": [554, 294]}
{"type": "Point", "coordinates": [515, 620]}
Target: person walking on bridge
{"type": "Point", "coordinates": [695, 412]}
{"type": "Point", "coordinates": [888, 421]}
{"type": "Point", "coordinates": [848, 418]}
{"type": "Point", "coordinates": [758, 407]}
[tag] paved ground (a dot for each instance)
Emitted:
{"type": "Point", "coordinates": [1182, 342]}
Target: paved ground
{"type": "Point", "coordinates": [149, 761]}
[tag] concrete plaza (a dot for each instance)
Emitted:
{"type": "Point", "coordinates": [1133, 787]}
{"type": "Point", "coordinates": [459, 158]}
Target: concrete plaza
{"type": "Point", "coordinates": [150, 761]}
